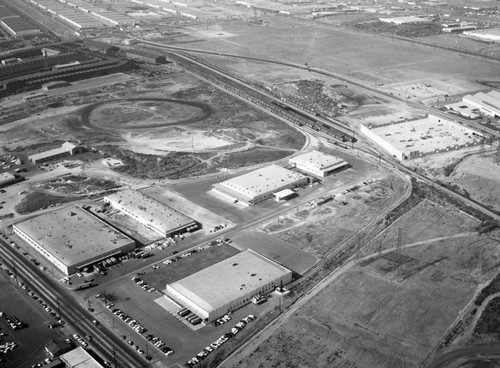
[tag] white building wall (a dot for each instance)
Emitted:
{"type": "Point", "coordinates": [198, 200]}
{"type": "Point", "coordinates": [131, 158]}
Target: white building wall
{"type": "Point", "coordinates": [61, 266]}
{"type": "Point", "coordinates": [231, 305]}
{"type": "Point", "coordinates": [381, 142]}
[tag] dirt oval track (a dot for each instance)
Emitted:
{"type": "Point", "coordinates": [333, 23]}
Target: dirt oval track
{"type": "Point", "coordinates": [205, 112]}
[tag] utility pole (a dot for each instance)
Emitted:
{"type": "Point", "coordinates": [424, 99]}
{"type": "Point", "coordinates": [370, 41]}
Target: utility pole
{"type": "Point", "coordinates": [114, 357]}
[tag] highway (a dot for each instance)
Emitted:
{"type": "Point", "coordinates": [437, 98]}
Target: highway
{"type": "Point", "coordinates": [76, 318]}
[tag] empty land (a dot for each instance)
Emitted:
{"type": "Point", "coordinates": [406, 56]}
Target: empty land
{"type": "Point", "coordinates": [388, 312]}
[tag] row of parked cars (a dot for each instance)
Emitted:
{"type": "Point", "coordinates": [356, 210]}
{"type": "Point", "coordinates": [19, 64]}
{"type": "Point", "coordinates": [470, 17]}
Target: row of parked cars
{"type": "Point", "coordinates": [136, 326]}
{"type": "Point", "coordinates": [80, 340]}
{"type": "Point", "coordinates": [220, 341]}
{"type": "Point", "coordinates": [156, 341]}
{"type": "Point", "coordinates": [144, 285]}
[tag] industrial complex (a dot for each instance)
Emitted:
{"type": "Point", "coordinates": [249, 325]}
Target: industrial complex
{"type": "Point", "coordinates": [421, 137]}
{"type": "Point", "coordinates": [229, 284]}
{"type": "Point", "coordinates": [72, 238]}
{"type": "Point", "coordinates": [157, 216]}
{"type": "Point", "coordinates": [317, 163]}
{"type": "Point", "coordinates": [261, 184]}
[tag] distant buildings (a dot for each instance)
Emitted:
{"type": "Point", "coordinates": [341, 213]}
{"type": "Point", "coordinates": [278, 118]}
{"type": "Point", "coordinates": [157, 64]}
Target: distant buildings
{"type": "Point", "coordinates": [72, 238]}
{"type": "Point", "coordinates": [260, 185]}
{"type": "Point", "coordinates": [486, 103]}
{"type": "Point", "coordinates": [228, 285]}
{"type": "Point", "coordinates": [405, 20]}
{"type": "Point", "coordinates": [145, 56]}
{"type": "Point", "coordinates": [157, 216]}
{"type": "Point", "coordinates": [14, 24]}
{"type": "Point", "coordinates": [491, 34]}
{"type": "Point", "coordinates": [67, 148]}
{"type": "Point", "coordinates": [317, 163]}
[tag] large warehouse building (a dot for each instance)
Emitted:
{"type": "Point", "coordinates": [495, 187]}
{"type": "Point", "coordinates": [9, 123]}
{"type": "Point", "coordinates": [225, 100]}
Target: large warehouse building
{"type": "Point", "coordinates": [317, 163]}
{"type": "Point", "coordinates": [228, 285]}
{"type": "Point", "coordinates": [421, 137]}
{"type": "Point", "coordinates": [157, 216]}
{"type": "Point", "coordinates": [486, 103]}
{"type": "Point", "coordinates": [67, 148]}
{"type": "Point", "coordinates": [72, 238]}
{"type": "Point", "coordinates": [259, 185]}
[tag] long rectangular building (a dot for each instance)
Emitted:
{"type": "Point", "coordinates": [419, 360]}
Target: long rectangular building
{"type": "Point", "coordinates": [317, 163]}
{"type": "Point", "coordinates": [72, 238]}
{"type": "Point", "coordinates": [228, 285]}
{"type": "Point", "coordinates": [157, 216]}
{"type": "Point", "coordinates": [260, 185]}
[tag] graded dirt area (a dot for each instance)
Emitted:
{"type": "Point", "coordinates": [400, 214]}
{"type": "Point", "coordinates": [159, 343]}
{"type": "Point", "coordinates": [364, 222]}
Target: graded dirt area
{"type": "Point", "coordinates": [387, 311]}
{"type": "Point", "coordinates": [474, 171]}
{"type": "Point", "coordinates": [158, 129]}
{"type": "Point", "coordinates": [318, 230]}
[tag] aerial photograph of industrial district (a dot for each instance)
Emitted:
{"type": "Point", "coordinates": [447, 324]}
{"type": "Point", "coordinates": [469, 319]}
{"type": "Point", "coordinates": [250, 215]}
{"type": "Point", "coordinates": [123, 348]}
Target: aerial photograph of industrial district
{"type": "Point", "coordinates": [250, 183]}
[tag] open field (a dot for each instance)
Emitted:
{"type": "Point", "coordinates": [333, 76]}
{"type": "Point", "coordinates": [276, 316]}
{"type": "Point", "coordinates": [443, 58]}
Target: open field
{"type": "Point", "coordinates": [365, 57]}
{"type": "Point", "coordinates": [422, 223]}
{"type": "Point", "coordinates": [370, 316]}
{"type": "Point", "coordinates": [177, 129]}
{"type": "Point", "coordinates": [319, 230]}
{"type": "Point", "coordinates": [474, 171]}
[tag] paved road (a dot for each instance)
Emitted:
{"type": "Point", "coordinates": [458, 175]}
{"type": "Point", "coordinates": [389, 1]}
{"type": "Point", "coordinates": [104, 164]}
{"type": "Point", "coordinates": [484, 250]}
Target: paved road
{"type": "Point", "coordinates": [76, 317]}
{"type": "Point", "coordinates": [472, 354]}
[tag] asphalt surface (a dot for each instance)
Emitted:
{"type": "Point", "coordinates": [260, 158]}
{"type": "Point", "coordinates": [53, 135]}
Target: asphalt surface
{"type": "Point", "coordinates": [472, 354]}
{"type": "Point", "coordinates": [104, 343]}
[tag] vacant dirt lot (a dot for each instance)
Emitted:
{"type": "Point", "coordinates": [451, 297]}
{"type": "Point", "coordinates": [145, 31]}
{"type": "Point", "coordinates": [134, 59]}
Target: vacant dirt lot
{"type": "Point", "coordinates": [370, 316]}
{"type": "Point", "coordinates": [474, 171]}
{"type": "Point", "coordinates": [157, 129]}
{"type": "Point", "coordinates": [319, 230]}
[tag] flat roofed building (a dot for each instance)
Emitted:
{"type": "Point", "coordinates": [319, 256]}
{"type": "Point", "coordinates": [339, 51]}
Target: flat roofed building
{"type": "Point", "coordinates": [421, 137]}
{"type": "Point", "coordinates": [259, 185]}
{"type": "Point", "coordinates": [487, 103]}
{"type": "Point", "coordinates": [317, 163]}
{"type": "Point", "coordinates": [72, 238]}
{"type": "Point", "coordinates": [156, 215]}
{"type": "Point", "coordinates": [79, 358]}
{"type": "Point", "coordinates": [18, 26]}
{"type": "Point", "coordinates": [229, 284]}
{"type": "Point", "coordinates": [65, 149]}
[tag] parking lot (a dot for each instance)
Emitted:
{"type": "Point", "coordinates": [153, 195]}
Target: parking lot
{"type": "Point", "coordinates": [145, 307]}
{"type": "Point", "coordinates": [30, 339]}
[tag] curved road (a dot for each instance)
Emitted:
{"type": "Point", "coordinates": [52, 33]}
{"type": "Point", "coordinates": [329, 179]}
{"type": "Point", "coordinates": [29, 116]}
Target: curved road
{"type": "Point", "coordinates": [471, 354]}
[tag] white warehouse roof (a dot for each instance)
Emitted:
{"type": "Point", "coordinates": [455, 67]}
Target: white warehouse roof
{"type": "Point", "coordinates": [319, 161]}
{"type": "Point", "coordinates": [266, 180]}
{"type": "Point", "coordinates": [227, 280]}
{"type": "Point", "coordinates": [149, 211]}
